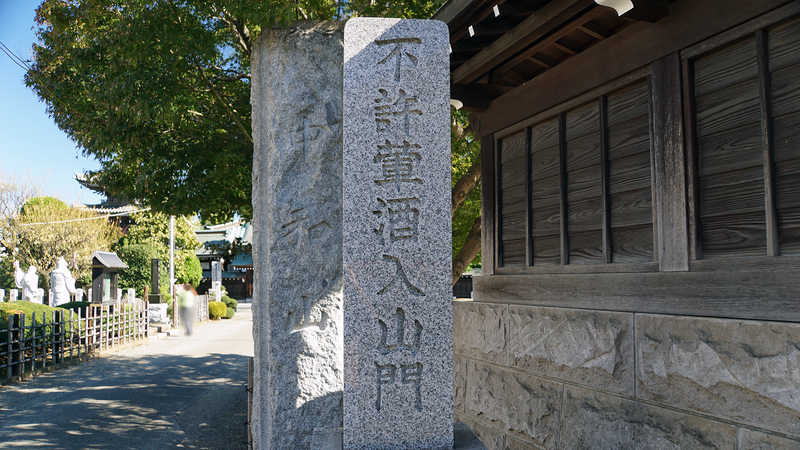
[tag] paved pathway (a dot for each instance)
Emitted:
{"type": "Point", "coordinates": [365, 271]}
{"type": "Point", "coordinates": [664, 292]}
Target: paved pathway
{"type": "Point", "coordinates": [184, 392]}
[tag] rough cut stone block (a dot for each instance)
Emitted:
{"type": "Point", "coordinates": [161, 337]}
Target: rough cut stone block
{"type": "Point", "coordinates": [480, 330]}
{"type": "Point", "coordinates": [587, 347]}
{"type": "Point", "coordinates": [756, 440]}
{"type": "Point", "coordinates": [459, 383]}
{"type": "Point", "coordinates": [491, 438]}
{"type": "Point", "coordinates": [747, 372]}
{"type": "Point", "coordinates": [297, 217]}
{"type": "Point", "coordinates": [397, 256]}
{"type": "Point", "coordinates": [526, 406]}
{"type": "Point", "coordinates": [597, 421]}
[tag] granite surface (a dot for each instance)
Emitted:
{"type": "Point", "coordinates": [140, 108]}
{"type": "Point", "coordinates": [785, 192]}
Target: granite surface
{"type": "Point", "coordinates": [396, 223]}
{"type": "Point", "coordinates": [591, 348]}
{"type": "Point", "coordinates": [596, 421]}
{"type": "Point", "coordinates": [525, 406]}
{"type": "Point", "coordinates": [297, 219]}
{"type": "Point", "coordinates": [743, 371]}
{"type": "Point", "coordinates": [480, 330]}
{"type": "Point", "coordinates": [331, 438]}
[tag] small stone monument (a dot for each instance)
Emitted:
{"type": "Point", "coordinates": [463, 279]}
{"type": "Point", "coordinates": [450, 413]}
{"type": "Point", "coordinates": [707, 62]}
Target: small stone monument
{"type": "Point", "coordinates": [12, 295]}
{"type": "Point", "coordinates": [131, 295]}
{"type": "Point", "coordinates": [297, 222]}
{"type": "Point", "coordinates": [216, 279]}
{"type": "Point", "coordinates": [156, 308]}
{"type": "Point", "coordinates": [79, 295]}
{"type": "Point", "coordinates": [398, 327]}
{"type": "Point", "coordinates": [2, 295]}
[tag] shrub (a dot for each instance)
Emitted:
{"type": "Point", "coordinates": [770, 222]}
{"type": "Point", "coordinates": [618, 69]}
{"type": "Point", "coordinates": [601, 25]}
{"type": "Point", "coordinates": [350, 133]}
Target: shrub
{"type": "Point", "coordinates": [43, 313]}
{"type": "Point", "coordinates": [229, 302]}
{"type": "Point", "coordinates": [216, 310]}
{"type": "Point", "coordinates": [138, 259]}
{"type": "Point", "coordinates": [229, 313]}
{"type": "Point", "coordinates": [75, 306]}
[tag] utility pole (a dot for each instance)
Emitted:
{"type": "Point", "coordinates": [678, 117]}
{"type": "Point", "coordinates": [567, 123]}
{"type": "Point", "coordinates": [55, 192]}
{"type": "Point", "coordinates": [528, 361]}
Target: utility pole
{"type": "Point", "coordinates": [172, 256]}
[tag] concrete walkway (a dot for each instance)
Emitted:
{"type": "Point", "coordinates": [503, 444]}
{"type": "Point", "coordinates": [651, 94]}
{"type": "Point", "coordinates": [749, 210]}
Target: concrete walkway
{"type": "Point", "coordinates": [177, 392]}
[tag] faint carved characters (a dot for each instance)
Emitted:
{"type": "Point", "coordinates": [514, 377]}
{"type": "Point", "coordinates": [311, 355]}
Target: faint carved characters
{"type": "Point", "coordinates": [294, 325]}
{"type": "Point", "coordinates": [402, 216]}
{"type": "Point", "coordinates": [400, 274]}
{"type": "Point", "coordinates": [396, 55]}
{"type": "Point", "coordinates": [386, 111]}
{"type": "Point", "coordinates": [300, 229]}
{"type": "Point", "coordinates": [397, 163]}
{"type": "Point", "coordinates": [306, 133]}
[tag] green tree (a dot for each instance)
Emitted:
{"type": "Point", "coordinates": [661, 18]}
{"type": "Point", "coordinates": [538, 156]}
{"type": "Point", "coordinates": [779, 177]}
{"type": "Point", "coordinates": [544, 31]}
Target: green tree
{"type": "Point", "coordinates": [138, 258]}
{"type": "Point", "coordinates": [152, 229]}
{"type": "Point", "coordinates": [158, 91]}
{"type": "Point", "coordinates": [46, 229]}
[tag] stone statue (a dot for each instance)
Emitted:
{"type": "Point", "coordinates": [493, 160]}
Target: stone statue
{"type": "Point", "coordinates": [28, 282]}
{"type": "Point", "coordinates": [62, 283]}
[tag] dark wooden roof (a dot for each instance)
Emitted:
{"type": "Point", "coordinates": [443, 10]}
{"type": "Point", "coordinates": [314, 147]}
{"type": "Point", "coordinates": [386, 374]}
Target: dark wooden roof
{"type": "Point", "coordinates": [498, 45]}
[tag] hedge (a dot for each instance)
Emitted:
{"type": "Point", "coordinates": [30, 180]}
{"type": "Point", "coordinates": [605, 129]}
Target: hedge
{"type": "Point", "coordinates": [217, 310]}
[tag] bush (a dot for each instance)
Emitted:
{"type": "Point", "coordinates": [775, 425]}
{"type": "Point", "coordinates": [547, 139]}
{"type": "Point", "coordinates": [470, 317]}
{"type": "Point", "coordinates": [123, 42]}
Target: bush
{"type": "Point", "coordinates": [229, 302]}
{"type": "Point", "coordinates": [43, 313]}
{"type": "Point", "coordinates": [138, 259]}
{"type": "Point", "coordinates": [216, 310]}
{"type": "Point", "coordinates": [75, 306]}
{"type": "Point", "coordinates": [229, 313]}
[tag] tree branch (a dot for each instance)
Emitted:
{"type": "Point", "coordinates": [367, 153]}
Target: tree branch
{"type": "Point", "coordinates": [465, 185]}
{"type": "Point", "coordinates": [231, 112]}
{"type": "Point", "coordinates": [469, 251]}
{"type": "Point", "coordinates": [239, 30]}
{"type": "Point", "coordinates": [233, 78]}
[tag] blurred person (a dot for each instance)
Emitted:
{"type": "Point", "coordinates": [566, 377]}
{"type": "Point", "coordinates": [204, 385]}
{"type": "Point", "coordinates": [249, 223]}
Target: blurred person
{"type": "Point", "coordinates": [186, 300]}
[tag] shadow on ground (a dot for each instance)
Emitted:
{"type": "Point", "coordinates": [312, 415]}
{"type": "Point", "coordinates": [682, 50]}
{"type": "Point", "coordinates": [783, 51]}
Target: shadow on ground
{"type": "Point", "coordinates": [118, 402]}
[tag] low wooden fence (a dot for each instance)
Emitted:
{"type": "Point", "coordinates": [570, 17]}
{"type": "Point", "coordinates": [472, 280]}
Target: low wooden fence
{"type": "Point", "coordinates": [65, 335]}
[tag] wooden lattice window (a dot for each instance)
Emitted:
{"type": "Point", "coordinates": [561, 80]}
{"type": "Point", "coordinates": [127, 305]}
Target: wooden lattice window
{"type": "Point", "coordinates": [576, 188]}
{"type": "Point", "coordinates": [744, 146]}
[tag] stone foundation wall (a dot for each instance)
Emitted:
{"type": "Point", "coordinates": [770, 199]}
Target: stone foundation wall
{"type": "Point", "coordinates": [530, 377]}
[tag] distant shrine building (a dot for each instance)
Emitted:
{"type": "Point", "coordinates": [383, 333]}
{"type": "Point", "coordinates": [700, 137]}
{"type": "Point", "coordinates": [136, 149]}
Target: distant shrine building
{"type": "Point", "coordinates": [641, 223]}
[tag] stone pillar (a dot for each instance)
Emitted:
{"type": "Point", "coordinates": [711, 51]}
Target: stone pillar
{"type": "Point", "coordinates": [155, 282]}
{"type": "Point", "coordinates": [79, 295]}
{"type": "Point", "coordinates": [2, 295]}
{"type": "Point", "coordinates": [131, 295]}
{"type": "Point", "coordinates": [12, 295]}
{"type": "Point", "coordinates": [398, 323]}
{"type": "Point", "coordinates": [297, 219]}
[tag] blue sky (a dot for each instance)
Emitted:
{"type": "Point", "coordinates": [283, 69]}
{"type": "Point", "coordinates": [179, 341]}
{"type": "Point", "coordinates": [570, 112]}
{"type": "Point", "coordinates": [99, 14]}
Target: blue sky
{"type": "Point", "coordinates": [29, 140]}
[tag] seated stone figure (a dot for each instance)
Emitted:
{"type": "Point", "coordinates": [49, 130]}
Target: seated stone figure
{"type": "Point", "coordinates": [62, 283]}
{"type": "Point", "coordinates": [28, 282]}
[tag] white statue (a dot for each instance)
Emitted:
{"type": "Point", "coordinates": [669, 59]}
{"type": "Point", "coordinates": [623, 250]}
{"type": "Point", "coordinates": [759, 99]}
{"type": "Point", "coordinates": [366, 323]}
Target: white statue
{"type": "Point", "coordinates": [28, 282]}
{"type": "Point", "coordinates": [62, 283]}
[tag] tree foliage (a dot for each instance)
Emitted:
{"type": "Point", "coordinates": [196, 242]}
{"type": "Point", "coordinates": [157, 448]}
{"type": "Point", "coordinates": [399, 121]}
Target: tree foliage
{"type": "Point", "coordinates": [152, 229]}
{"type": "Point", "coordinates": [158, 91]}
{"type": "Point", "coordinates": [46, 229]}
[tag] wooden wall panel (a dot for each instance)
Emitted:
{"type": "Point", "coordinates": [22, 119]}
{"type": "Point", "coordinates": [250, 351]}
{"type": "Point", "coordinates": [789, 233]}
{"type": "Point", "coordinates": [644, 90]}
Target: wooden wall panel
{"type": "Point", "coordinates": [630, 193]}
{"type": "Point", "coordinates": [784, 64]}
{"type": "Point", "coordinates": [513, 200]}
{"type": "Point", "coordinates": [584, 188]}
{"type": "Point", "coordinates": [669, 179]}
{"type": "Point", "coordinates": [730, 156]}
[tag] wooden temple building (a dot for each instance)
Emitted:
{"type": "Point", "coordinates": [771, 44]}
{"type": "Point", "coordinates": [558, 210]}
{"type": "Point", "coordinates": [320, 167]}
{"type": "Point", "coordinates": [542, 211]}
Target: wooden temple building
{"type": "Point", "coordinates": [640, 223]}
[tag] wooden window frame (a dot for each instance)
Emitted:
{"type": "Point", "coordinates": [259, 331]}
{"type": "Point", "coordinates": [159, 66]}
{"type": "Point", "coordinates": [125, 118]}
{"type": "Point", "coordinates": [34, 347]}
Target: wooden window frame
{"type": "Point", "coordinates": [679, 281]}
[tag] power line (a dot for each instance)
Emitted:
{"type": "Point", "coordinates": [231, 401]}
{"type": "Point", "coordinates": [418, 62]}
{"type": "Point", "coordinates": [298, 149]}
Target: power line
{"type": "Point", "coordinates": [85, 218]}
